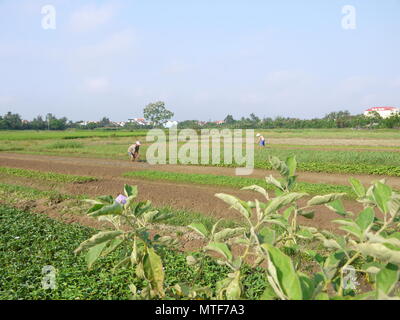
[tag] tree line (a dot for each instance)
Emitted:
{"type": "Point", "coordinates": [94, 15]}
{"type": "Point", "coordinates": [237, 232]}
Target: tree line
{"type": "Point", "coordinates": [340, 119]}
{"type": "Point", "coordinates": [157, 115]}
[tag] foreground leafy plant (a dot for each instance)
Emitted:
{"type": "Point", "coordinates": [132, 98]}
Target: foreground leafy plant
{"type": "Point", "coordinates": [272, 239]}
{"type": "Point", "coordinates": [130, 222]}
{"type": "Point", "coordinates": [272, 229]}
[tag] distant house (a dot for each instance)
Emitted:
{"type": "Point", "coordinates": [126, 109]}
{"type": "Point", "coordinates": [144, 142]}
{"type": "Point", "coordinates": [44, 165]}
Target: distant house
{"type": "Point", "coordinates": [140, 121]}
{"type": "Point", "coordinates": [384, 112]}
{"type": "Point", "coordinates": [118, 123]}
{"type": "Point", "coordinates": [85, 123]}
{"type": "Point", "coordinates": [219, 122]}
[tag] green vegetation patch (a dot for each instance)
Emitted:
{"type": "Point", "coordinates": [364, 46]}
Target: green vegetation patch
{"type": "Point", "coordinates": [65, 145]}
{"type": "Point", "coordinates": [31, 242]}
{"type": "Point", "coordinates": [235, 182]}
{"type": "Point", "coordinates": [46, 176]}
{"type": "Point", "coordinates": [27, 135]}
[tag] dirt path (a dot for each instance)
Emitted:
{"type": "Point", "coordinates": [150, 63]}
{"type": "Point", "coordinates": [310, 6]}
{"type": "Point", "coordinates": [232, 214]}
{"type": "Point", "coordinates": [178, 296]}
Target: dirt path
{"type": "Point", "coordinates": [113, 168]}
{"type": "Point", "coordinates": [195, 198]}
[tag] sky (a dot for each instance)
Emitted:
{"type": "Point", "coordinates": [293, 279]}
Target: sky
{"type": "Point", "coordinates": [205, 59]}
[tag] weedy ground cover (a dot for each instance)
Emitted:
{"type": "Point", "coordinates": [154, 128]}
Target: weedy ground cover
{"type": "Point", "coordinates": [235, 182]}
{"type": "Point", "coordinates": [31, 242]}
{"type": "Point", "coordinates": [46, 176]}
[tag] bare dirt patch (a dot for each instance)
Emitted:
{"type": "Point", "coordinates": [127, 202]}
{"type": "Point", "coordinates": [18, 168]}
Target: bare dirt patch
{"type": "Point", "coordinates": [194, 198]}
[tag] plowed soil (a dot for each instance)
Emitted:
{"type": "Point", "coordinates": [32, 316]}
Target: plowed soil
{"type": "Point", "coordinates": [191, 197]}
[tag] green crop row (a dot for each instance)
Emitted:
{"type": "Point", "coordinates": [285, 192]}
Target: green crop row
{"type": "Point", "coordinates": [31, 242]}
{"type": "Point", "coordinates": [46, 176]}
{"type": "Point", "coordinates": [360, 168]}
{"type": "Point", "coordinates": [235, 181]}
{"type": "Point", "coordinates": [27, 135]}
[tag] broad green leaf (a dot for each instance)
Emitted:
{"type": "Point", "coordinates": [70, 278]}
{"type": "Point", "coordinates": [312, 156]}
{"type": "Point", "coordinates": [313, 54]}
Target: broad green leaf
{"type": "Point", "coordinates": [268, 294]}
{"type": "Point", "coordinates": [292, 165]}
{"type": "Point", "coordinates": [142, 207]}
{"type": "Point", "coordinates": [305, 234]}
{"type": "Point", "coordinates": [379, 251]}
{"type": "Point", "coordinates": [114, 209]}
{"type": "Point", "coordinates": [307, 286]}
{"type": "Point", "coordinates": [113, 244]}
{"type": "Point", "coordinates": [358, 187]}
{"type": "Point", "coordinates": [94, 253]}
{"type": "Point", "coordinates": [279, 165]}
{"type": "Point", "coordinates": [320, 200]}
{"type": "Point", "coordinates": [281, 201]}
{"type": "Point", "coordinates": [228, 233]}
{"type": "Point", "coordinates": [200, 229]}
{"type": "Point", "coordinates": [306, 214]}
{"type": "Point", "coordinates": [234, 291]}
{"type": "Point", "coordinates": [350, 226]}
{"type": "Point", "coordinates": [97, 239]}
{"type": "Point", "coordinates": [274, 182]}
{"type": "Point", "coordinates": [267, 235]}
{"type": "Point", "coordinates": [337, 207]}
{"type": "Point", "coordinates": [331, 264]}
{"type": "Point", "coordinates": [106, 199]}
{"type": "Point", "coordinates": [153, 270]}
{"type": "Point", "coordinates": [220, 248]}
{"type": "Point", "coordinates": [365, 218]}
{"type": "Point", "coordinates": [95, 208]}
{"type": "Point", "coordinates": [130, 191]}
{"type": "Point", "coordinates": [288, 212]}
{"type": "Point", "coordinates": [285, 272]}
{"type": "Point", "coordinates": [387, 278]}
{"type": "Point", "coordinates": [151, 216]}
{"type": "Point", "coordinates": [257, 189]}
{"type": "Point", "coordinates": [382, 194]}
{"type": "Point", "coordinates": [236, 204]}
{"type": "Point", "coordinates": [394, 206]}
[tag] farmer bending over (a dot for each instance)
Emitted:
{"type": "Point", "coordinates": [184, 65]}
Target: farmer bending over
{"type": "Point", "coordinates": [261, 140]}
{"type": "Point", "coordinates": [133, 151]}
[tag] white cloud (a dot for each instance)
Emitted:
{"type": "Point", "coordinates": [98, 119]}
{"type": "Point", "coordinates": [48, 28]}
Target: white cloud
{"type": "Point", "coordinates": [96, 85]}
{"type": "Point", "coordinates": [90, 17]}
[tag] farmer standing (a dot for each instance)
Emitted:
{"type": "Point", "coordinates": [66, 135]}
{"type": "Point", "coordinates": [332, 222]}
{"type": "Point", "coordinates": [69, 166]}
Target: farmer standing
{"type": "Point", "coordinates": [261, 140]}
{"type": "Point", "coordinates": [133, 151]}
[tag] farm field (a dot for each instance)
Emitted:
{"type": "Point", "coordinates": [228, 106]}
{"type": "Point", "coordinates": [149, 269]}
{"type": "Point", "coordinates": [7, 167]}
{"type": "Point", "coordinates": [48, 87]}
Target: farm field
{"type": "Point", "coordinates": [44, 178]}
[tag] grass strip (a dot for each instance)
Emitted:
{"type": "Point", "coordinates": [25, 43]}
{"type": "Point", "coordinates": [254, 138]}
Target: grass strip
{"type": "Point", "coordinates": [236, 182]}
{"type": "Point", "coordinates": [28, 135]}
{"type": "Point", "coordinates": [46, 176]}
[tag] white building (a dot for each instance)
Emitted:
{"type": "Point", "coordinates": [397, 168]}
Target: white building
{"type": "Point", "coordinates": [140, 121]}
{"type": "Point", "coordinates": [384, 112]}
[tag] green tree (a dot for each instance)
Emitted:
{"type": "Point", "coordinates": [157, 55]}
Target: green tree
{"type": "Point", "coordinates": [11, 121]}
{"type": "Point", "coordinates": [229, 119]}
{"type": "Point", "coordinates": [157, 114]}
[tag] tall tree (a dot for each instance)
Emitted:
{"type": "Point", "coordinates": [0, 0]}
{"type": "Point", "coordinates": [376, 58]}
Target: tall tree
{"type": "Point", "coordinates": [157, 114]}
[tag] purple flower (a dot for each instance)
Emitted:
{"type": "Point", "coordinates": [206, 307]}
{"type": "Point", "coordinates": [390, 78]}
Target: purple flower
{"type": "Point", "coordinates": [121, 199]}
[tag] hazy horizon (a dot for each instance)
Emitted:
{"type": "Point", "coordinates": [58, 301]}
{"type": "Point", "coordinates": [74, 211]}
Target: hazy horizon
{"type": "Point", "coordinates": [204, 59]}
